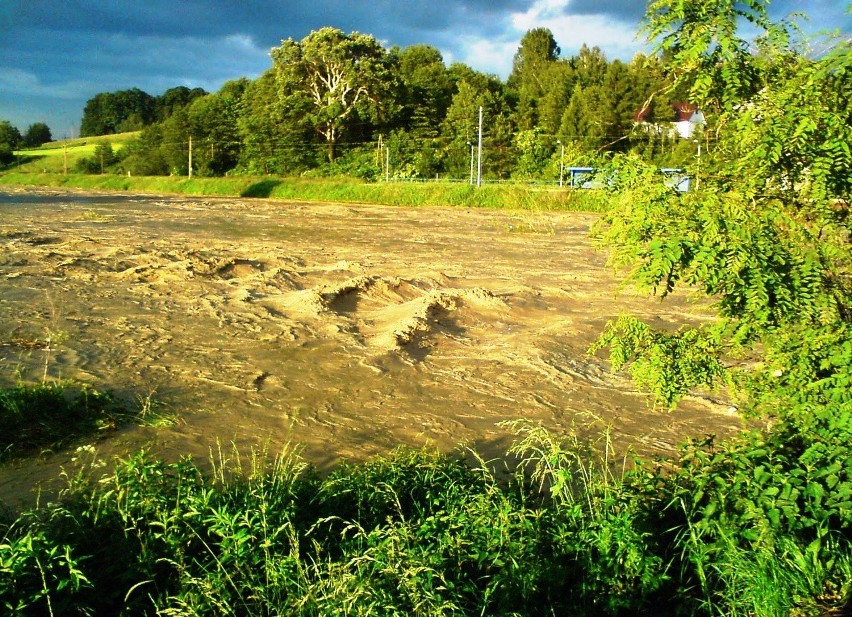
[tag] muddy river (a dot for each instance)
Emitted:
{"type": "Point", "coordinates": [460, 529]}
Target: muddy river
{"type": "Point", "coordinates": [343, 330]}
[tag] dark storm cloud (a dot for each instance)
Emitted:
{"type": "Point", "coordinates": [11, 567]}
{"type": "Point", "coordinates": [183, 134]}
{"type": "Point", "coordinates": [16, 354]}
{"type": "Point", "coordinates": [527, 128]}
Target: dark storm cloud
{"type": "Point", "coordinates": [624, 10]}
{"type": "Point", "coordinates": [268, 21]}
{"type": "Point", "coordinates": [56, 54]}
{"type": "Point", "coordinates": [71, 50]}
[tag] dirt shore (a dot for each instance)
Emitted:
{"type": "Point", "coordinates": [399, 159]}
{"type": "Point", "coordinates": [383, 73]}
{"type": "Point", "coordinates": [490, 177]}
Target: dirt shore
{"type": "Point", "coordinates": [344, 329]}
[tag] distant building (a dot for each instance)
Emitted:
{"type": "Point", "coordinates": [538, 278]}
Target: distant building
{"type": "Point", "coordinates": [687, 118]}
{"type": "Point", "coordinates": [685, 121]}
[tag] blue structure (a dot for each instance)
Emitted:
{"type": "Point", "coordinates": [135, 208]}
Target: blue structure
{"type": "Point", "coordinates": [584, 178]}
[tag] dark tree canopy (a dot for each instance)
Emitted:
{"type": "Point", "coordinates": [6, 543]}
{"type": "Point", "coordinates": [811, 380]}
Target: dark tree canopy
{"type": "Point", "coordinates": [108, 113]}
{"type": "Point", "coordinates": [174, 99]}
{"type": "Point", "coordinates": [36, 135]}
{"type": "Point", "coordinates": [10, 137]}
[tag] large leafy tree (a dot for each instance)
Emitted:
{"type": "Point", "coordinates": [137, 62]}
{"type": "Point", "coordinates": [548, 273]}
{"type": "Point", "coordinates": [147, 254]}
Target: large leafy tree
{"type": "Point", "coordinates": [175, 99]}
{"type": "Point", "coordinates": [766, 238]}
{"type": "Point", "coordinates": [36, 135]}
{"type": "Point", "coordinates": [111, 112]}
{"type": "Point", "coordinates": [273, 138]}
{"type": "Point", "coordinates": [214, 126]}
{"type": "Point", "coordinates": [532, 73]}
{"type": "Point", "coordinates": [584, 120]}
{"type": "Point", "coordinates": [427, 89]}
{"type": "Point", "coordinates": [332, 81]}
{"type": "Point", "coordinates": [555, 98]}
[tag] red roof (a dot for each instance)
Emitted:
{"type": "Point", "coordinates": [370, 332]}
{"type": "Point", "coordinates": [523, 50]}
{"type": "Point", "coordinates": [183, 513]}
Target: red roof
{"type": "Point", "coordinates": [684, 111]}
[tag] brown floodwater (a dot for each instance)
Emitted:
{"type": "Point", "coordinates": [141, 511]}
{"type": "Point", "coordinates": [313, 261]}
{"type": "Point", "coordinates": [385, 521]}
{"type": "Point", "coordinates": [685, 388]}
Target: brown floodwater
{"type": "Point", "coordinates": [342, 330]}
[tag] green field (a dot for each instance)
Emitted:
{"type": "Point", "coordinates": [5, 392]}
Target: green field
{"type": "Point", "coordinates": [53, 157]}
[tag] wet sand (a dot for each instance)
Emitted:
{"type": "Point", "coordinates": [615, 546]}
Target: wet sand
{"type": "Point", "coordinates": [345, 330]}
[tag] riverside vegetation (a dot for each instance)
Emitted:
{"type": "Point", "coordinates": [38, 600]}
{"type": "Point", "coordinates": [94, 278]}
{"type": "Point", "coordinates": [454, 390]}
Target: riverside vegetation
{"type": "Point", "coordinates": [760, 524]}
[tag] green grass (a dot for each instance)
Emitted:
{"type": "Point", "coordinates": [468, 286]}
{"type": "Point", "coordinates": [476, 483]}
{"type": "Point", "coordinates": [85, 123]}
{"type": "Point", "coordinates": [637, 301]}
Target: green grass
{"type": "Point", "coordinates": [52, 415]}
{"type": "Point", "coordinates": [505, 196]}
{"type": "Point", "coordinates": [576, 532]}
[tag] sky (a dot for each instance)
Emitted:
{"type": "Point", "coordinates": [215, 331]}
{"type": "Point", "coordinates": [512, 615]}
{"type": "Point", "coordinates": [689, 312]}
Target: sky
{"type": "Point", "coordinates": [57, 54]}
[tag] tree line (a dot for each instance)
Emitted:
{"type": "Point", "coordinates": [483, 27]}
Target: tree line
{"type": "Point", "coordinates": [106, 113]}
{"type": "Point", "coordinates": [11, 139]}
{"type": "Point", "coordinates": [341, 104]}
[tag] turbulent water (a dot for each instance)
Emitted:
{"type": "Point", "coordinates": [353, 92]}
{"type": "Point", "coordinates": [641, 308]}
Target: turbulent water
{"type": "Point", "coordinates": [342, 330]}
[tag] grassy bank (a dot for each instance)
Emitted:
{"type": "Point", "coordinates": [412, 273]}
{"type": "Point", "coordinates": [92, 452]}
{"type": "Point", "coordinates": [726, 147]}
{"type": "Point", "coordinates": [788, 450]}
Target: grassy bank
{"type": "Point", "coordinates": [419, 533]}
{"type": "Point", "coordinates": [521, 197]}
{"type": "Point", "coordinates": [49, 416]}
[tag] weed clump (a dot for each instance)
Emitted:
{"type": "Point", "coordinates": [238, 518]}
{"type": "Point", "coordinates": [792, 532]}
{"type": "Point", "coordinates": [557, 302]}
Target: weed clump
{"type": "Point", "coordinates": [51, 415]}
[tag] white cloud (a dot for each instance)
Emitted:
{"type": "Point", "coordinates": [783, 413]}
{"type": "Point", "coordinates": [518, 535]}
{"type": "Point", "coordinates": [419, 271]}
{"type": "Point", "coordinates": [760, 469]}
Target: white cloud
{"type": "Point", "coordinates": [494, 55]}
{"type": "Point", "coordinates": [489, 55]}
{"type": "Point", "coordinates": [614, 36]}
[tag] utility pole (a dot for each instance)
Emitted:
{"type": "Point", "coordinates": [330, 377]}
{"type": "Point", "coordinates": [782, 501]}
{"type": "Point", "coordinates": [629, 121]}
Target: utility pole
{"type": "Point", "coordinates": [561, 162]}
{"type": "Point", "coordinates": [387, 164]}
{"type": "Point", "coordinates": [479, 155]}
{"type": "Point", "coordinates": [190, 156]}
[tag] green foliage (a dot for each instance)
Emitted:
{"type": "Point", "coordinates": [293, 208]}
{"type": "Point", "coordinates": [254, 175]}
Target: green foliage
{"type": "Point", "coordinates": [772, 511]}
{"type": "Point", "coordinates": [761, 523]}
{"type": "Point", "coordinates": [213, 123]}
{"type": "Point", "coordinates": [419, 533]}
{"type": "Point", "coordinates": [667, 365]}
{"type": "Point", "coordinates": [107, 112]}
{"type": "Point", "coordinates": [36, 135]}
{"type": "Point", "coordinates": [6, 154]}
{"type": "Point", "coordinates": [123, 111]}
{"type": "Point", "coordinates": [766, 236]}
{"type": "Point", "coordinates": [535, 152]}
{"type": "Point", "coordinates": [333, 80]}
{"type": "Point", "coordinates": [10, 138]}
{"type": "Point", "coordinates": [49, 416]}
{"type": "Point", "coordinates": [103, 158]}
{"type": "Point", "coordinates": [700, 38]}
{"type": "Point", "coordinates": [612, 558]}
{"type": "Point", "coordinates": [331, 93]}
{"type": "Point", "coordinates": [534, 61]}
{"type": "Point", "coordinates": [427, 89]}
{"type": "Point", "coordinates": [33, 417]}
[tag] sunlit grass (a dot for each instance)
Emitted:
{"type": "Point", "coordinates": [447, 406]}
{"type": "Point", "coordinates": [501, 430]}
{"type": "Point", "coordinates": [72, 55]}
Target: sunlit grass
{"type": "Point", "coordinates": [522, 198]}
{"type": "Point", "coordinates": [52, 157]}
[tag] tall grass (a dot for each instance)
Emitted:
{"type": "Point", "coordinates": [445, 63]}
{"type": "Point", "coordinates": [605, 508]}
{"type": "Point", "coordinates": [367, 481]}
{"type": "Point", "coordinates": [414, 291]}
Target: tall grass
{"type": "Point", "coordinates": [51, 415]}
{"type": "Point", "coordinates": [576, 531]}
